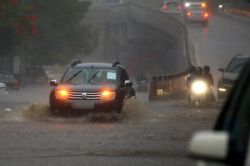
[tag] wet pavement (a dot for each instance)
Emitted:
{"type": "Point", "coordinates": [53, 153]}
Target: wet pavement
{"type": "Point", "coordinates": [146, 133]}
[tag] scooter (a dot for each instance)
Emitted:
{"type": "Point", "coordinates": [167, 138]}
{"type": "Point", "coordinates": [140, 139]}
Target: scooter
{"type": "Point", "coordinates": [198, 93]}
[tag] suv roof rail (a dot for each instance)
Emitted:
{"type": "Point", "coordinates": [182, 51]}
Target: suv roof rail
{"type": "Point", "coordinates": [75, 63]}
{"type": "Point", "coordinates": [116, 63]}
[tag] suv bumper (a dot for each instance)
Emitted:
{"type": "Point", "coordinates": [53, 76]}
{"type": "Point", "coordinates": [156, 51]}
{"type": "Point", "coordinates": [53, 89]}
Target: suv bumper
{"type": "Point", "coordinates": [86, 105]}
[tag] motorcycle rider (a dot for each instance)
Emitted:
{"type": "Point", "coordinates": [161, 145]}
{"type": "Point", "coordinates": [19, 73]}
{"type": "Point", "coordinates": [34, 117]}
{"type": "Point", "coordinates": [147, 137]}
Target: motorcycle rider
{"type": "Point", "coordinates": [210, 80]}
{"type": "Point", "coordinates": [208, 76]}
{"type": "Point", "coordinates": [196, 73]}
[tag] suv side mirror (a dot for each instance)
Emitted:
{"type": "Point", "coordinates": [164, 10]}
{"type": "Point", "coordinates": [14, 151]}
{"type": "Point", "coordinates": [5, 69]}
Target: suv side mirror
{"type": "Point", "coordinates": [53, 83]}
{"type": "Point", "coordinates": [221, 70]}
{"type": "Point", "coordinates": [211, 145]}
{"type": "Point", "coordinates": [128, 83]}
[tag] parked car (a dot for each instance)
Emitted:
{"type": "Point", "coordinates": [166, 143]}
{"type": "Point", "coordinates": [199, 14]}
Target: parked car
{"type": "Point", "coordinates": [230, 74]}
{"type": "Point", "coordinates": [36, 75]}
{"type": "Point", "coordinates": [91, 87]}
{"type": "Point", "coordinates": [10, 81]}
{"type": "Point", "coordinates": [228, 142]}
{"type": "Point", "coordinates": [173, 7]}
{"type": "Point", "coordinates": [3, 88]}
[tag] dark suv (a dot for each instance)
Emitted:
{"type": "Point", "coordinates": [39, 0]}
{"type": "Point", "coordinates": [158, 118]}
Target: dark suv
{"type": "Point", "coordinates": [230, 74]}
{"type": "Point", "coordinates": [91, 87]}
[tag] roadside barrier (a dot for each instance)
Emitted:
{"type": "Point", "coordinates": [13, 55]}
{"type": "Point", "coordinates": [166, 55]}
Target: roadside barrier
{"type": "Point", "coordinates": [165, 85]}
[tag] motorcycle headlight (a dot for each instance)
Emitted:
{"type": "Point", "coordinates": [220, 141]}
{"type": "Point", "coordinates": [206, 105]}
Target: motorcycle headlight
{"type": "Point", "coordinates": [199, 87]}
{"type": "Point", "coordinates": [220, 6]}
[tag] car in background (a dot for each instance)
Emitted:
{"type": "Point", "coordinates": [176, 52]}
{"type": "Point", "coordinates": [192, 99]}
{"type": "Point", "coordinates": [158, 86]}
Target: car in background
{"type": "Point", "coordinates": [36, 75]}
{"type": "Point", "coordinates": [91, 87]}
{"type": "Point", "coordinates": [172, 7]}
{"type": "Point", "coordinates": [195, 11]}
{"type": "Point", "coordinates": [10, 80]}
{"type": "Point", "coordinates": [3, 88]}
{"type": "Point", "coordinates": [228, 142]}
{"type": "Point", "coordinates": [230, 74]}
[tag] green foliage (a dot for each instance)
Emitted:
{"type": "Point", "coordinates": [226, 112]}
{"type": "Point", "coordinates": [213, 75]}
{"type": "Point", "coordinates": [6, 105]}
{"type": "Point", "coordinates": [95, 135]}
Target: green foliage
{"type": "Point", "coordinates": [60, 36]}
{"type": "Point", "coordinates": [14, 24]}
{"type": "Point", "coordinates": [8, 19]}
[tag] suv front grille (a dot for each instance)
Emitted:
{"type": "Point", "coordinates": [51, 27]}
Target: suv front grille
{"type": "Point", "coordinates": [76, 95]}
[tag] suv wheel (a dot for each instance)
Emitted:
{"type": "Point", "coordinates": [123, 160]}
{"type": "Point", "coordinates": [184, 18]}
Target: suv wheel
{"type": "Point", "coordinates": [119, 107]}
{"type": "Point", "coordinates": [55, 111]}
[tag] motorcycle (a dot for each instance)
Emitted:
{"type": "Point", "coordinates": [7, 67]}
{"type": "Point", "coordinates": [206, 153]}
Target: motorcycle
{"type": "Point", "coordinates": [199, 93]}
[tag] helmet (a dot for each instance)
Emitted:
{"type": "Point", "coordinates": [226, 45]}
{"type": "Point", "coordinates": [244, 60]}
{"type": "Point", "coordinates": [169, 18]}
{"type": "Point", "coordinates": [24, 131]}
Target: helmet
{"type": "Point", "coordinates": [192, 69]}
{"type": "Point", "coordinates": [206, 69]}
{"type": "Point", "coordinates": [116, 63]}
{"type": "Point", "coordinates": [198, 70]}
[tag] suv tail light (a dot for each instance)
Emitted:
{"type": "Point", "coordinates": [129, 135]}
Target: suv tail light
{"type": "Point", "coordinates": [165, 7]}
{"type": "Point", "coordinates": [179, 8]}
{"type": "Point", "coordinates": [189, 14]}
{"type": "Point", "coordinates": [206, 15]}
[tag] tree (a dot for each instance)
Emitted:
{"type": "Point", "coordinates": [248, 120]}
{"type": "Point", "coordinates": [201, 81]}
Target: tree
{"type": "Point", "coordinates": [17, 23]}
{"type": "Point", "coordinates": [59, 35]}
{"type": "Point", "coordinates": [9, 17]}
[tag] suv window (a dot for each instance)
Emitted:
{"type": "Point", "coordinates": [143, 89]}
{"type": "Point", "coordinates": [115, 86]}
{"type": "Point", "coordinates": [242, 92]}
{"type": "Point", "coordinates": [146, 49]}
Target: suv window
{"type": "Point", "coordinates": [236, 65]}
{"type": "Point", "coordinates": [79, 76]}
{"type": "Point", "coordinates": [196, 7]}
{"type": "Point", "coordinates": [172, 5]}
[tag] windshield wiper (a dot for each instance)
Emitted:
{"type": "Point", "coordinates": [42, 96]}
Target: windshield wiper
{"type": "Point", "coordinates": [72, 77]}
{"type": "Point", "coordinates": [93, 76]}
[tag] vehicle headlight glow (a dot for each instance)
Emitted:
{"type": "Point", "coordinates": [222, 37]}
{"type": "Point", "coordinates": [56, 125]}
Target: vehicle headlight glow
{"type": "Point", "coordinates": [199, 87]}
{"type": "Point", "coordinates": [203, 5]}
{"type": "Point", "coordinates": [220, 6]}
{"type": "Point", "coordinates": [62, 93]}
{"type": "Point", "coordinates": [107, 95]}
{"type": "Point", "coordinates": [222, 89]}
{"type": "Point", "coordinates": [187, 4]}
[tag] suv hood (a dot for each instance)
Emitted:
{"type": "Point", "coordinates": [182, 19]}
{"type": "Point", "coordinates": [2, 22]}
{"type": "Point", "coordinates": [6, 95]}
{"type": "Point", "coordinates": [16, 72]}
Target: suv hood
{"type": "Point", "coordinates": [93, 88]}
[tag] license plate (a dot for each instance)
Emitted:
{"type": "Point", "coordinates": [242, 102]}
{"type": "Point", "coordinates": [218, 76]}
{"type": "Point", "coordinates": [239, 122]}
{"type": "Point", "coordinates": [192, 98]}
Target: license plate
{"type": "Point", "coordinates": [83, 105]}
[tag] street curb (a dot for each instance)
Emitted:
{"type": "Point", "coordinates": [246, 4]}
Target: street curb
{"type": "Point", "coordinates": [239, 12]}
{"type": "Point", "coordinates": [231, 14]}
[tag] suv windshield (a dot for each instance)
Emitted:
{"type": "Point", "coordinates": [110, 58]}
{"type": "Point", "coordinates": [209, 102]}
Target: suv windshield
{"type": "Point", "coordinates": [236, 65]}
{"type": "Point", "coordinates": [79, 76]}
{"type": "Point", "coordinates": [172, 5]}
{"type": "Point", "coordinates": [196, 7]}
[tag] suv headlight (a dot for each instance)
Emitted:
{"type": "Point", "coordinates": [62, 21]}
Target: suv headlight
{"type": "Point", "coordinates": [107, 95]}
{"type": "Point", "coordinates": [62, 93]}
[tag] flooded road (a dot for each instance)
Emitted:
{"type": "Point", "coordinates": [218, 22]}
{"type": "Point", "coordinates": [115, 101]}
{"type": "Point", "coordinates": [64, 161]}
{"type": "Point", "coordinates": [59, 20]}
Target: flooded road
{"type": "Point", "coordinates": [146, 133]}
